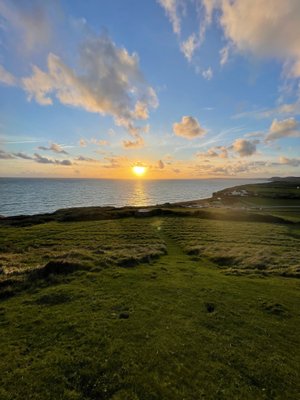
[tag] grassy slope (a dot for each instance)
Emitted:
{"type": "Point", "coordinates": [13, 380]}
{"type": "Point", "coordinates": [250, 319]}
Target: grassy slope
{"type": "Point", "coordinates": [267, 195]}
{"type": "Point", "coordinates": [192, 331]}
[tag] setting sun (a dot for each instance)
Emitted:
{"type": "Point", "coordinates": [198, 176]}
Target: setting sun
{"type": "Point", "coordinates": [139, 170]}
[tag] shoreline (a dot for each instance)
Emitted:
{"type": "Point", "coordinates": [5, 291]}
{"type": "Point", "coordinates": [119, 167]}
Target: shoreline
{"type": "Point", "coordinates": [103, 193]}
{"type": "Point", "coordinates": [186, 203]}
{"type": "Point", "coordinates": [233, 203]}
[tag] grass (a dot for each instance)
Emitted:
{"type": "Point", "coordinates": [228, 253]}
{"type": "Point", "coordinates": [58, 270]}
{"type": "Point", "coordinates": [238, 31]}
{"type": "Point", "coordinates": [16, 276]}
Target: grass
{"type": "Point", "coordinates": [90, 244]}
{"type": "Point", "coordinates": [282, 194]}
{"type": "Point", "coordinates": [138, 317]}
{"type": "Point", "coordinates": [240, 247]}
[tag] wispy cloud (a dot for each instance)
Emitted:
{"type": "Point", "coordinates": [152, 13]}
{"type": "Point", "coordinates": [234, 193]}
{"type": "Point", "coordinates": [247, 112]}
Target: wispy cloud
{"type": "Point", "coordinates": [28, 23]}
{"type": "Point", "coordinates": [6, 77]}
{"type": "Point", "coordinates": [172, 10]}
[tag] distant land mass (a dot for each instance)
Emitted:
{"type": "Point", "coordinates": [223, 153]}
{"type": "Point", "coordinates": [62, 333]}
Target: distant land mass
{"type": "Point", "coordinates": [286, 179]}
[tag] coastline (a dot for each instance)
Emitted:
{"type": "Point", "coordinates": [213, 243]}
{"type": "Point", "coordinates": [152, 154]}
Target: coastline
{"type": "Point", "coordinates": [41, 196]}
{"type": "Point", "coordinates": [232, 203]}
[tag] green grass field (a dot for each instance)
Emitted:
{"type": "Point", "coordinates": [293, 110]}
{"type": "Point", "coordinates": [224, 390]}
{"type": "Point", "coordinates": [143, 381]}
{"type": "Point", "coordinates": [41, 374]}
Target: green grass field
{"type": "Point", "coordinates": [152, 308]}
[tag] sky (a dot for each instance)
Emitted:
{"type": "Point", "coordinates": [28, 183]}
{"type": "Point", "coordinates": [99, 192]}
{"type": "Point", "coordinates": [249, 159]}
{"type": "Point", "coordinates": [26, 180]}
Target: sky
{"type": "Point", "coordinates": [187, 88]}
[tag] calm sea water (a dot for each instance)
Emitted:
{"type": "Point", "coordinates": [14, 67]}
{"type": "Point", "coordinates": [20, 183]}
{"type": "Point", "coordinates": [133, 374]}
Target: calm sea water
{"type": "Point", "coordinates": [32, 196]}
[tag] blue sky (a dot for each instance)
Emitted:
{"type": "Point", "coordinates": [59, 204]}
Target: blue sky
{"type": "Point", "coordinates": [89, 89]}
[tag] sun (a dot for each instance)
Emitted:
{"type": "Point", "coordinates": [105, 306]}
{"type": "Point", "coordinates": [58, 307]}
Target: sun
{"type": "Point", "coordinates": [139, 170]}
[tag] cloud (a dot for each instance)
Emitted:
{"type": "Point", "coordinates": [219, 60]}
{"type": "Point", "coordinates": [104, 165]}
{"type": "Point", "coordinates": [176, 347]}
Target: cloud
{"type": "Point", "coordinates": [289, 127]}
{"type": "Point", "coordinates": [218, 151]}
{"type": "Point", "coordinates": [282, 109]}
{"type": "Point", "coordinates": [161, 164]}
{"type": "Point", "coordinates": [141, 110]}
{"type": "Point", "coordinates": [44, 160]}
{"type": "Point", "coordinates": [6, 77]}
{"type": "Point", "coordinates": [103, 142]}
{"type": "Point", "coordinates": [188, 128]}
{"type": "Point", "coordinates": [108, 81]}
{"type": "Point", "coordinates": [56, 148]}
{"type": "Point", "coordinates": [64, 162]}
{"type": "Point", "coordinates": [288, 108]}
{"type": "Point", "coordinates": [100, 142]}
{"type": "Point", "coordinates": [189, 46]}
{"type": "Point", "coordinates": [36, 158]}
{"type": "Point", "coordinates": [171, 8]}
{"type": "Point", "coordinates": [293, 162]}
{"type": "Point", "coordinates": [5, 156]}
{"type": "Point", "coordinates": [233, 168]}
{"type": "Point", "coordinates": [135, 132]}
{"type": "Point", "coordinates": [272, 28]}
{"type": "Point", "coordinates": [207, 74]}
{"type": "Point", "coordinates": [23, 155]}
{"type": "Point", "coordinates": [265, 29]}
{"type": "Point", "coordinates": [224, 55]}
{"type": "Point", "coordinates": [134, 144]}
{"type": "Point", "coordinates": [174, 9]}
{"type": "Point", "coordinates": [29, 20]}
{"type": "Point", "coordinates": [254, 135]}
{"type": "Point", "coordinates": [114, 162]}
{"type": "Point", "coordinates": [87, 159]}
{"type": "Point", "coordinates": [82, 142]}
{"type": "Point", "coordinates": [244, 147]}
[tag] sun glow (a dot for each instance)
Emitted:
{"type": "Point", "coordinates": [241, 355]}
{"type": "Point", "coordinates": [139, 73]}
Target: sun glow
{"type": "Point", "coordinates": [139, 170]}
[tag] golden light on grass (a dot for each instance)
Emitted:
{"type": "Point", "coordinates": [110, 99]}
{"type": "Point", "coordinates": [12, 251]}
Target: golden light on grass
{"type": "Point", "coordinates": [139, 170]}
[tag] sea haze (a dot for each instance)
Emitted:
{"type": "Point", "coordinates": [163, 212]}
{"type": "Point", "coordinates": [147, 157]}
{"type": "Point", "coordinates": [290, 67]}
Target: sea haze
{"type": "Point", "coordinates": [33, 196]}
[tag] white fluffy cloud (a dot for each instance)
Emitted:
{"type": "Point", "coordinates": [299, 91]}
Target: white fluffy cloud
{"type": "Point", "coordinates": [289, 127]}
{"type": "Point", "coordinates": [244, 147]}
{"type": "Point", "coordinates": [188, 128]}
{"type": "Point", "coordinates": [268, 28]}
{"type": "Point", "coordinates": [108, 81]}
{"type": "Point", "coordinates": [263, 28]}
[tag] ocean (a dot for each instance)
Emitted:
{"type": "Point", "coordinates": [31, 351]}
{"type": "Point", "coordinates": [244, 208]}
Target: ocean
{"type": "Point", "coordinates": [39, 195]}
